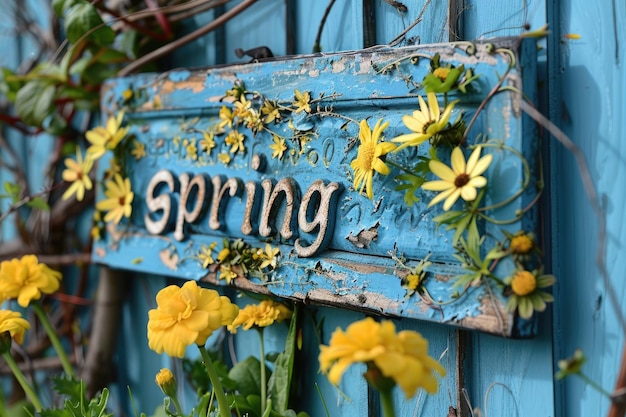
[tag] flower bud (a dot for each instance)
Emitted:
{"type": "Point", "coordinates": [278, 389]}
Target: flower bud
{"type": "Point", "coordinates": [166, 381]}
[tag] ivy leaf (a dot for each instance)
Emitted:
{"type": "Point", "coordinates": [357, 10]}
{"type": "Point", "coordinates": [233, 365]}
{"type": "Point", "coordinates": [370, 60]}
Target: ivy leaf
{"type": "Point", "coordinates": [83, 18]}
{"type": "Point", "coordinates": [35, 101]}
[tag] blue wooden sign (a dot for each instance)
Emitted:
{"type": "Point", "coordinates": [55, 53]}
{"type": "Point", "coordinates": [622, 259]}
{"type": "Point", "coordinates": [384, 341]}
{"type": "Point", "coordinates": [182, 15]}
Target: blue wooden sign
{"type": "Point", "coordinates": [400, 181]}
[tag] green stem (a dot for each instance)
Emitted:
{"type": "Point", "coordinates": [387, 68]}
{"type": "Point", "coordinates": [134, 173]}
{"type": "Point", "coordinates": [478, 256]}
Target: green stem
{"type": "Point", "coordinates": [28, 390]}
{"type": "Point", "coordinates": [217, 385]}
{"type": "Point", "coordinates": [56, 343]}
{"type": "Point", "coordinates": [263, 380]}
{"type": "Point", "coordinates": [179, 409]}
{"type": "Point", "coordinates": [594, 385]}
{"type": "Point", "coordinates": [386, 401]}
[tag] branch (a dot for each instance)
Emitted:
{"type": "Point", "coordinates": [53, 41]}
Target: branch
{"type": "Point", "coordinates": [166, 49]}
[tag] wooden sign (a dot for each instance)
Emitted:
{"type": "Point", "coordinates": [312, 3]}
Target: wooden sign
{"type": "Point", "coordinates": [245, 175]}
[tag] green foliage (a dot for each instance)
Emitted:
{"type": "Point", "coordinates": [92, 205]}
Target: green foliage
{"type": "Point", "coordinates": [76, 403]}
{"type": "Point", "coordinates": [279, 385]}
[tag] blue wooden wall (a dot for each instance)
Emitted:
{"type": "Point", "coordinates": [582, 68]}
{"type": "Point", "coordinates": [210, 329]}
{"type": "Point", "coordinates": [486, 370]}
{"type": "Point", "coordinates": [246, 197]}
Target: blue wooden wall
{"type": "Point", "coordinates": [582, 91]}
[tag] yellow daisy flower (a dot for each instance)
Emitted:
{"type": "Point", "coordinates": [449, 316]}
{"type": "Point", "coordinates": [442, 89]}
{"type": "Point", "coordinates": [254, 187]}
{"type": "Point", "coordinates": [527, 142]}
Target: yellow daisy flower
{"type": "Point", "coordinates": [369, 155]}
{"type": "Point", "coordinates": [459, 181]}
{"type": "Point", "coordinates": [302, 102]}
{"type": "Point", "coordinates": [103, 139]}
{"type": "Point", "coordinates": [278, 147]}
{"type": "Point", "coordinates": [118, 201]}
{"type": "Point", "coordinates": [77, 172]}
{"type": "Point", "coordinates": [425, 122]}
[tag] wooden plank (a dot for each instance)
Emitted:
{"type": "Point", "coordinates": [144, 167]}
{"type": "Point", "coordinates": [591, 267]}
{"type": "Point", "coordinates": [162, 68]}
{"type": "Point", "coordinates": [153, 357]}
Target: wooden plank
{"type": "Point", "coordinates": [336, 247]}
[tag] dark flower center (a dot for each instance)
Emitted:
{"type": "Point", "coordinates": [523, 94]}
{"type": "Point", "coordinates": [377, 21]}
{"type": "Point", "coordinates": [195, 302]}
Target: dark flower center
{"type": "Point", "coordinates": [461, 180]}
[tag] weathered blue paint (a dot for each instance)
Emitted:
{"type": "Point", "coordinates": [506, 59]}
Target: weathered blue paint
{"type": "Point", "coordinates": [353, 269]}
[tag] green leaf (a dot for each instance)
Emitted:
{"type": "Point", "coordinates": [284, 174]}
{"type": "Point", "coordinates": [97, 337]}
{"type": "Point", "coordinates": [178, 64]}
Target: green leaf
{"type": "Point", "coordinates": [81, 19]}
{"type": "Point", "coordinates": [35, 101]}
{"type": "Point", "coordinates": [247, 375]}
{"type": "Point", "coordinates": [12, 190]}
{"type": "Point", "coordinates": [279, 385]}
{"type": "Point", "coordinates": [38, 203]}
{"type": "Point", "coordinates": [60, 6]}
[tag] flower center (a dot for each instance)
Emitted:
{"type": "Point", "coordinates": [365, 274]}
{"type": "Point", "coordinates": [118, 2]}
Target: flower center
{"type": "Point", "coordinates": [365, 157]}
{"type": "Point", "coordinates": [461, 180]}
{"type": "Point", "coordinates": [186, 313]}
{"type": "Point", "coordinates": [426, 126]}
{"type": "Point", "coordinates": [122, 200]}
{"type": "Point", "coordinates": [523, 283]}
{"type": "Point", "coordinates": [441, 73]}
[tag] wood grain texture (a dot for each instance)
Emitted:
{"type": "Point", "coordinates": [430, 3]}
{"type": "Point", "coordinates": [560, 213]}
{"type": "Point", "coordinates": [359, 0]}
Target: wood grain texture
{"type": "Point", "coordinates": [590, 76]}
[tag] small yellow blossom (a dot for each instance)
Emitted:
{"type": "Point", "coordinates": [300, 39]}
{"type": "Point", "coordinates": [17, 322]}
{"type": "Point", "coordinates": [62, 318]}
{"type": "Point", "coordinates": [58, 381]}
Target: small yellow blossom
{"type": "Point", "coordinates": [119, 198]}
{"type": "Point", "coordinates": [206, 255]}
{"type": "Point", "coordinates": [264, 314]}
{"type": "Point", "coordinates": [77, 172]}
{"type": "Point", "coordinates": [302, 102]}
{"type": "Point", "coordinates": [461, 180]}
{"type": "Point", "coordinates": [271, 112]}
{"type": "Point", "coordinates": [227, 273]}
{"type": "Point", "coordinates": [425, 122]}
{"type": "Point", "coordinates": [191, 148]}
{"type": "Point", "coordinates": [253, 120]}
{"type": "Point", "coordinates": [235, 140]}
{"type": "Point", "coordinates": [526, 296]}
{"type": "Point", "coordinates": [369, 156]}
{"type": "Point", "coordinates": [114, 168]}
{"type": "Point", "coordinates": [106, 138]}
{"type": "Point", "coordinates": [226, 117]}
{"type": "Point", "coordinates": [208, 142]}
{"type": "Point", "coordinates": [402, 357]}
{"type": "Point", "coordinates": [166, 381]}
{"type": "Point", "coordinates": [242, 108]}
{"type": "Point", "coordinates": [12, 322]}
{"type": "Point", "coordinates": [139, 150]}
{"type": "Point", "coordinates": [278, 147]}
{"type": "Point", "coordinates": [268, 257]}
{"type": "Point", "coordinates": [187, 315]}
{"type": "Point", "coordinates": [224, 158]}
{"type": "Point", "coordinates": [25, 279]}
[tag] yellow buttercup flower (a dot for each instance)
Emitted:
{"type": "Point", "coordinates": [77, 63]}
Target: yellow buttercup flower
{"type": "Point", "coordinates": [302, 102]}
{"type": "Point", "coordinates": [526, 295]}
{"type": "Point", "coordinates": [106, 138]}
{"type": "Point", "coordinates": [12, 322]}
{"type": "Point", "coordinates": [77, 172]}
{"type": "Point", "coordinates": [278, 147]}
{"type": "Point", "coordinates": [459, 181]}
{"type": "Point", "coordinates": [369, 156]}
{"type": "Point", "coordinates": [226, 117]}
{"type": "Point", "coordinates": [425, 122]}
{"type": "Point", "coordinates": [187, 315]}
{"type": "Point", "coordinates": [227, 273]}
{"type": "Point", "coordinates": [206, 255]}
{"type": "Point", "coordinates": [25, 279]}
{"type": "Point", "coordinates": [264, 314]}
{"type": "Point", "coordinates": [402, 357]}
{"type": "Point", "coordinates": [118, 201]}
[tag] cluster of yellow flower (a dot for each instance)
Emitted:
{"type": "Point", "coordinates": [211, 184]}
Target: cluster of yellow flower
{"type": "Point", "coordinates": [119, 195]}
